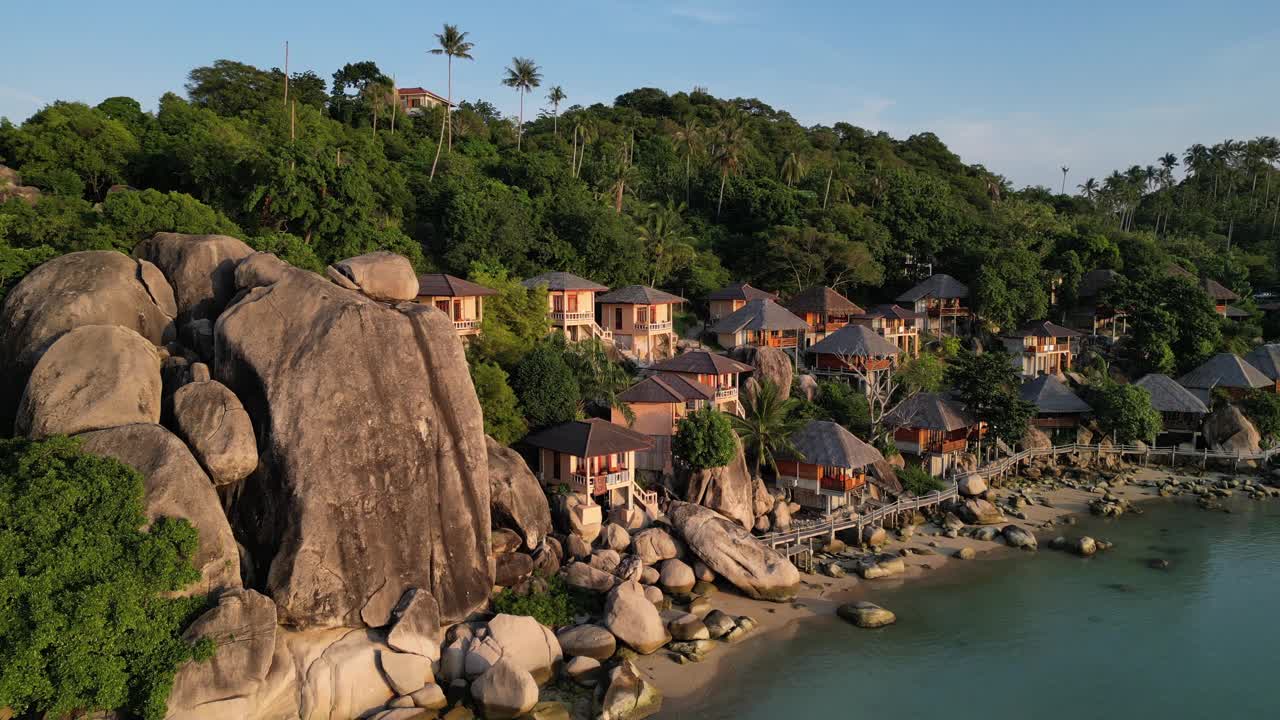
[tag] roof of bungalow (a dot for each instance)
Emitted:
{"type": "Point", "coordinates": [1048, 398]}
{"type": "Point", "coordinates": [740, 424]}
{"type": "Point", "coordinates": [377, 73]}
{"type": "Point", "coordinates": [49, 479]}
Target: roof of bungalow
{"type": "Point", "coordinates": [1167, 396]}
{"type": "Point", "coordinates": [639, 295]}
{"type": "Point", "coordinates": [1266, 358]}
{"type": "Point", "coordinates": [855, 341]}
{"type": "Point", "coordinates": [1234, 312]}
{"type": "Point", "coordinates": [666, 388]}
{"type": "Point", "coordinates": [1176, 270]}
{"type": "Point", "coordinates": [410, 91]}
{"type": "Point", "coordinates": [931, 411]}
{"type": "Point", "coordinates": [701, 362]}
{"type": "Point", "coordinates": [1043, 328]}
{"type": "Point", "coordinates": [1218, 291]}
{"type": "Point", "coordinates": [759, 315]}
{"type": "Point", "coordinates": [589, 438]}
{"type": "Point", "coordinates": [937, 285]}
{"type": "Point", "coordinates": [821, 299]}
{"type": "Point", "coordinates": [1095, 281]}
{"type": "Point", "coordinates": [1225, 370]}
{"type": "Point", "coordinates": [563, 281]}
{"type": "Point", "coordinates": [741, 291]}
{"type": "Point", "coordinates": [442, 285]}
{"type": "Point", "coordinates": [1052, 397]}
{"type": "Point", "coordinates": [892, 311]}
{"type": "Point", "coordinates": [822, 442]}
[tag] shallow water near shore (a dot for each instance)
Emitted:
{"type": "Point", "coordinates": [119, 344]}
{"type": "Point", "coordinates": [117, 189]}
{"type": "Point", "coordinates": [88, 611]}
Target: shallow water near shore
{"type": "Point", "coordinates": [1050, 636]}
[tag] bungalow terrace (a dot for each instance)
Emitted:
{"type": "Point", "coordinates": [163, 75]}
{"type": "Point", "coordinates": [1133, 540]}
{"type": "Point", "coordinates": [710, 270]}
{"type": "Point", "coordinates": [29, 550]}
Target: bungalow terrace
{"type": "Point", "coordinates": [1057, 407]}
{"type": "Point", "coordinates": [462, 300]}
{"type": "Point", "coordinates": [641, 320]}
{"type": "Point", "coordinates": [824, 310]}
{"type": "Point", "coordinates": [1179, 408]}
{"type": "Point", "coordinates": [895, 324]}
{"type": "Point", "coordinates": [1040, 348]}
{"type": "Point", "coordinates": [658, 403]}
{"type": "Point", "coordinates": [760, 323]}
{"type": "Point", "coordinates": [932, 427]}
{"type": "Point", "coordinates": [571, 305]}
{"type": "Point", "coordinates": [1226, 371]}
{"type": "Point", "coordinates": [728, 300]}
{"type": "Point", "coordinates": [854, 352]}
{"type": "Point", "coordinates": [1091, 313]}
{"type": "Point", "coordinates": [835, 469]}
{"type": "Point", "coordinates": [721, 375]}
{"type": "Point", "coordinates": [939, 300]}
{"type": "Point", "coordinates": [593, 457]}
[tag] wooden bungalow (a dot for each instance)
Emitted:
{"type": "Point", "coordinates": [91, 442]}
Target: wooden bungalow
{"type": "Point", "coordinates": [940, 302]}
{"type": "Point", "coordinates": [854, 352]}
{"type": "Point", "coordinates": [462, 300]}
{"type": "Point", "coordinates": [1041, 348]}
{"type": "Point", "coordinates": [728, 300]}
{"type": "Point", "coordinates": [760, 323]}
{"type": "Point", "coordinates": [1226, 371]}
{"type": "Point", "coordinates": [896, 324]}
{"type": "Point", "coordinates": [1091, 313]}
{"type": "Point", "coordinates": [594, 457]}
{"type": "Point", "coordinates": [824, 310]}
{"type": "Point", "coordinates": [835, 469]}
{"type": "Point", "coordinates": [658, 403]}
{"type": "Point", "coordinates": [1222, 298]}
{"type": "Point", "coordinates": [717, 373]}
{"type": "Point", "coordinates": [641, 319]}
{"type": "Point", "coordinates": [1180, 410]}
{"type": "Point", "coordinates": [932, 427]}
{"type": "Point", "coordinates": [571, 305]}
{"type": "Point", "coordinates": [1058, 409]}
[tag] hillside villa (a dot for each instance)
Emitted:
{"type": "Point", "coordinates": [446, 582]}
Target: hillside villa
{"type": "Point", "coordinates": [854, 352]}
{"type": "Point", "coordinates": [835, 469]}
{"type": "Point", "coordinates": [1090, 312]}
{"type": "Point", "coordinates": [824, 310]}
{"type": "Point", "coordinates": [594, 457]}
{"type": "Point", "coordinates": [1226, 371]}
{"type": "Point", "coordinates": [462, 300]}
{"type": "Point", "coordinates": [895, 324]}
{"type": "Point", "coordinates": [571, 305]}
{"type": "Point", "coordinates": [1222, 298]}
{"type": "Point", "coordinates": [658, 403]}
{"type": "Point", "coordinates": [939, 300]}
{"type": "Point", "coordinates": [1179, 408]}
{"type": "Point", "coordinates": [641, 320]}
{"type": "Point", "coordinates": [414, 100]}
{"type": "Point", "coordinates": [719, 374]}
{"type": "Point", "coordinates": [1040, 348]}
{"type": "Point", "coordinates": [1058, 409]}
{"type": "Point", "coordinates": [728, 300]}
{"type": "Point", "coordinates": [932, 427]}
{"type": "Point", "coordinates": [760, 323]}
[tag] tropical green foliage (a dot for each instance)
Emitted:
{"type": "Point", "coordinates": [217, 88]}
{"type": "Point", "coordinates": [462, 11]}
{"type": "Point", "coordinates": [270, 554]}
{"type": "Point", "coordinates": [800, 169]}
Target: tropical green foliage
{"type": "Point", "coordinates": [918, 481]}
{"type": "Point", "coordinates": [844, 405]}
{"type": "Point", "coordinates": [987, 384]}
{"type": "Point", "coordinates": [767, 423]}
{"type": "Point", "coordinates": [83, 623]}
{"type": "Point", "coordinates": [502, 418]}
{"type": "Point", "coordinates": [924, 373]}
{"type": "Point", "coordinates": [1263, 409]}
{"type": "Point", "coordinates": [1125, 412]}
{"type": "Point", "coordinates": [545, 384]}
{"type": "Point", "coordinates": [514, 320]}
{"type": "Point", "coordinates": [556, 606]}
{"type": "Point", "coordinates": [704, 439]}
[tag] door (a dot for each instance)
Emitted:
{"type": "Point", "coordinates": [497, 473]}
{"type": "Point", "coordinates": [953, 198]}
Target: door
{"type": "Point", "coordinates": [617, 318]}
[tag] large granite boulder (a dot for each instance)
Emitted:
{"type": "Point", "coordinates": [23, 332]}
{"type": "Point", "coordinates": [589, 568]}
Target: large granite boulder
{"type": "Point", "coordinates": [242, 627]}
{"type": "Point", "coordinates": [339, 675]}
{"type": "Point", "coordinates": [1035, 439]}
{"type": "Point", "coordinates": [732, 553]}
{"type": "Point", "coordinates": [1228, 430]}
{"type": "Point", "coordinates": [380, 275]}
{"type": "Point", "coordinates": [634, 620]}
{"type": "Point", "coordinates": [628, 695]}
{"type": "Point", "coordinates": [531, 645]}
{"type": "Point", "coordinates": [92, 378]}
{"type": "Point", "coordinates": [977, 511]}
{"type": "Point", "coordinates": [374, 474]}
{"type": "Point", "coordinates": [728, 490]}
{"type": "Point", "coordinates": [590, 641]}
{"type": "Point", "coordinates": [217, 428]}
{"type": "Point", "coordinates": [176, 487]}
{"type": "Point", "coordinates": [516, 500]}
{"type": "Point", "coordinates": [770, 363]}
{"type": "Point", "coordinates": [416, 625]}
{"type": "Point", "coordinates": [200, 268]}
{"type": "Point", "coordinates": [505, 691]}
{"type": "Point", "coordinates": [654, 545]}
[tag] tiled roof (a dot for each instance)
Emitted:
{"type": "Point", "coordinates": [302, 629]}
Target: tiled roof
{"type": "Point", "coordinates": [892, 311]}
{"type": "Point", "coordinates": [931, 411]}
{"type": "Point", "coordinates": [563, 281]}
{"type": "Point", "coordinates": [1051, 396]}
{"type": "Point", "coordinates": [741, 291]}
{"type": "Point", "coordinates": [639, 295]}
{"type": "Point", "coordinates": [759, 315]}
{"type": "Point", "coordinates": [665, 388]}
{"type": "Point", "coordinates": [1266, 358]}
{"type": "Point", "coordinates": [1168, 396]}
{"type": "Point", "coordinates": [442, 285]}
{"type": "Point", "coordinates": [701, 362]}
{"type": "Point", "coordinates": [855, 341]}
{"type": "Point", "coordinates": [1218, 291]}
{"type": "Point", "coordinates": [937, 285]}
{"type": "Point", "coordinates": [1043, 328]}
{"type": "Point", "coordinates": [822, 300]}
{"type": "Point", "coordinates": [589, 438]}
{"type": "Point", "coordinates": [1225, 370]}
{"type": "Point", "coordinates": [822, 442]}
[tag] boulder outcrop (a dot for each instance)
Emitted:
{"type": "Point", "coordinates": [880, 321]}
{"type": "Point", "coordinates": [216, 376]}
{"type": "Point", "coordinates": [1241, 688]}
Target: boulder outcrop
{"type": "Point", "coordinates": [516, 500]}
{"type": "Point", "coordinates": [1228, 430]}
{"type": "Point", "coordinates": [201, 269]}
{"type": "Point", "coordinates": [728, 490]}
{"type": "Point", "coordinates": [242, 627]}
{"type": "Point", "coordinates": [629, 696]}
{"type": "Point", "coordinates": [770, 363]}
{"type": "Point", "coordinates": [217, 428]}
{"type": "Point", "coordinates": [634, 620]}
{"type": "Point", "coordinates": [380, 275]}
{"type": "Point", "coordinates": [732, 553]}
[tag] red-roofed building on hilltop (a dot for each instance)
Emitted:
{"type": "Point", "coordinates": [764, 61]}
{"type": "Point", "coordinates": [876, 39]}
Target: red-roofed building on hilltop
{"type": "Point", "coordinates": [414, 100]}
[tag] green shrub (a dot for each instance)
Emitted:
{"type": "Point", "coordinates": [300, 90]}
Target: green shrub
{"type": "Point", "coordinates": [556, 607]}
{"type": "Point", "coordinates": [545, 384]}
{"type": "Point", "coordinates": [917, 481]}
{"type": "Point", "coordinates": [844, 405]}
{"type": "Point", "coordinates": [502, 419]}
{"type": "Point", "coordinates": [83, 624]}
{"type": "Point", "coordinates": [704, 439]}
{"type": "Point", "coordinates": [1263, 408]}
{"type": "Point", "coordinates": [1125, 412]}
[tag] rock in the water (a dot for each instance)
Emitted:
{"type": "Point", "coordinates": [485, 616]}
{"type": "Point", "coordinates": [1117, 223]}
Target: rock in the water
{"type": "Point", "coordinates": [590, 641]}
{"type": "Point", "coordinates": [176, 487]}
{"type": "Point", "coordinates": [403, 501]}
{"type": "Point", "coordinates": [770, 363]}
{"type": "Point", "coordinates": [966, 553]}
{"type": "Point", "coordinates": [730, 551]}
{"type": "Point", "coordinates": [972, 485]}
{"type": "Point", "coordinates": [242, 627]}
{"type": "Point", "coordinates": [516, 500]}
{"type": "Point", "coordinates": [882, 567]}
{"type": "Point", "coordinates": [866, 615]}
{"type": "Point", "coordinates": [416, 627]}
{"type": "Point", "coordinates": [655, 545]}
{"type": "Point", "coordinates": [217, 428]}
{"type": "Point", "coordinates": [633, 619]}
{"type": "Point", "coordinates": [629, 695]}
{"type": "Point", "coordinates": [719, 623]}
{"type": "Point", "coordinates": [380, 275]}
{"type": "Point", "coordinates": [1019, 537]}
{"type": "Point", "coordinates": [92, 378]}
{"type": "Point", "coordinates": [505, 691]}
{"type": "Point", "coordinates": [728, 490]}
{"type": "Point", "coordinates": [200, 268]}
{"type": "Point", "coordinates": [676, 577]}
{"type": "Point", "coordinates": [980, 512]}
{"type": "Point", "coordinates": [1084, 546]}
{"type": "Point", "coordinates": [688, 627]}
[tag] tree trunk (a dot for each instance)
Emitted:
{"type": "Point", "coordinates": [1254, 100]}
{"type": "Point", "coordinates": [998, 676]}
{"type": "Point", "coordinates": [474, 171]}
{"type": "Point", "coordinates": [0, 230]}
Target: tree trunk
{"type": "Point", "coordinates": [688, 175]}
{"type": "Point", "coordinates": [448, 107]}
{"type": "Point", "coordinates": [719, 204]}
{"type": "Point", "coordinates": [520, 129]}
{"type": "Point", "coordinates": [617, 200]}
{"type": "Point", "coordinates": [555, 121]}
{"type": "Point", "coordinates": [439, 145]}
{"type": "Point", "coordinates": [827, 193]}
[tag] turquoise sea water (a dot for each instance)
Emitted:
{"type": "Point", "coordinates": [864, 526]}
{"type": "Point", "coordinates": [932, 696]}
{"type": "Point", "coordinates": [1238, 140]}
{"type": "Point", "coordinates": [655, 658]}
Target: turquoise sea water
{"type": "Point", "coordinates": [1051, 636]}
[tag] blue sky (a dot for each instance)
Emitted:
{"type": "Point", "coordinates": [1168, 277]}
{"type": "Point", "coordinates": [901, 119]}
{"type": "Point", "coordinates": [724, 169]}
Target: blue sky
{"type": "Point", "coordinates": [1020, 87]}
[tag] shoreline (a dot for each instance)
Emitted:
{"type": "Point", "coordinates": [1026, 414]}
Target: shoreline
{"type": "Point", "coordinates": [686, 686]}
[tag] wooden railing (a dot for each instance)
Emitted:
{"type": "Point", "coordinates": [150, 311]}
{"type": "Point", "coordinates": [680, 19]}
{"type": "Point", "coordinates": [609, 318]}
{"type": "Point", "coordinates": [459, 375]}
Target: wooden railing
{"type": "Point", "coordinates": [466, 324]}
{"type": "Point", "coordinates": [802, 531]}
{"type": "Point", "coordinates": [726, 393]}
{"type": "Point", "coordinates": [1003, 464]}
{"type": "Point", "coordinates": [653, 326]}
{"type": "Point", "coordinates": [565, 316]}
{"type": "Point", "coordinates": [781, 342]}
{"type": "Point", "coordinates": [648, 498]}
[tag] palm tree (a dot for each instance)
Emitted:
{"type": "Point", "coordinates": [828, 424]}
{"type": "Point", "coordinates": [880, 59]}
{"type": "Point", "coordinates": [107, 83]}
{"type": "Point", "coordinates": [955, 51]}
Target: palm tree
{"type": "Point", "coordinates": [453, 44]}
{"type": "Point", "coordinates": [622, 173]}
{"type": "Point", "coordinates": [1089, 188]}
{"type": "Point", "coordinates": [375, 93]}
{"type": "Point", "coordinates": [768, 421]}
{"type": "Point", "coordinates": [731, 138]}
{"type": "Point", "coordinates": [792, 168]}
{"type": "Point", "coordinates": [523, 75]}
{"type": "Point", "coordinates": [556, 96]}
{"type": "Point", "coordinates": [663, 233]}
{"type": "Point", "coordinates": [688, 138]}
{"type": "Point", "coordinates": [584, 133]}
{"type": "Point", "coordinates": [1065, 170]}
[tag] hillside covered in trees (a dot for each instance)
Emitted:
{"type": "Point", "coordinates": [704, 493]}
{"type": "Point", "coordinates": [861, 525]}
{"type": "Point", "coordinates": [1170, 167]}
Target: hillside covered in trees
{"type": "Point", "coordinates": [684, 191]}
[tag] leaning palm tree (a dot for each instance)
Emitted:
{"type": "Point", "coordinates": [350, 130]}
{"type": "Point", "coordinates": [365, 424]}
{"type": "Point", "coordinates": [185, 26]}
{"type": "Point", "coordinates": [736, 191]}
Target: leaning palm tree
{"type": "Point", "coordinates": [768, 421]}
{"type": "Point", "coordinates": [556, 96]}
{"type": "Point", "coordinates": [453, 44]}
{"type": "Point", "coordinates": [524, 75]}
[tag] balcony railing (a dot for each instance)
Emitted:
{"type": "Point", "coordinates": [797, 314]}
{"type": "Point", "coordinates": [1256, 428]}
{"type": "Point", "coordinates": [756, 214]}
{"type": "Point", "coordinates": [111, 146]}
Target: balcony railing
{"type": "Point", "coordinates": [562, 316]}
{"type": "Point", "coordinates": [653, 326]}
{"type": "Point", "coordinates": [600, 481]}
{"type": "Point", "coordinates": [946, 446]}
{"type": "Point", "coordinates": [466, 324]}
{"type": "Point", "coordinates": [948, 311]}
{"type": "Point", "coordinates": [781, 342]}
{"type": "Point", "coordinates": [726, 393]}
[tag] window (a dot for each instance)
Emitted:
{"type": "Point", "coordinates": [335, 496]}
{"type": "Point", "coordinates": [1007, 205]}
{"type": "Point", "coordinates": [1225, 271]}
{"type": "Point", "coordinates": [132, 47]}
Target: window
{"type": "Point", "coordinates": [555, 465]}
{"type": "Point", "coordinates": [573, 303]}
{"type": "Point", "coordinates": [617, 318]}
{"type": "Point", "coordinates": [443, 306]}
{"type": "Point", "coordinates": [557, 303]}
{"type": "Point", "coordinates": [457, 310]}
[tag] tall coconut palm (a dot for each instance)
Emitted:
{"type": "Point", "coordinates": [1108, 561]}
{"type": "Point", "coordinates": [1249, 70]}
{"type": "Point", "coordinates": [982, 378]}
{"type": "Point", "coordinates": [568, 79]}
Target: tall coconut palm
{"type": "Point", "coordinates": [730, 142]}
{"type": "Point", "coordinates": [768, 421]}
{"type": "Point", "coordinates": [792, 168]}
{"type": "Point", "coordinates": [622, 174]}
{"type": "Point", "coordinates": [524, 75]}
{"type": "Point", "coordinates": [555, 96]}
{"type": "Point", "coordinates": [584, 133]}
{"type": "Point", "coordinates": [1065, 170]}
{"type": "Point", "coordinates": [688, 137]}
{"type": "Point", "coordinates": [663, 234]}
{"type": "Point", "coordinates": [375, 94]}
{"type": "Point", "coordinates": [1089, 188]}
{"type": "Point", "coordinates": [453, 43]}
